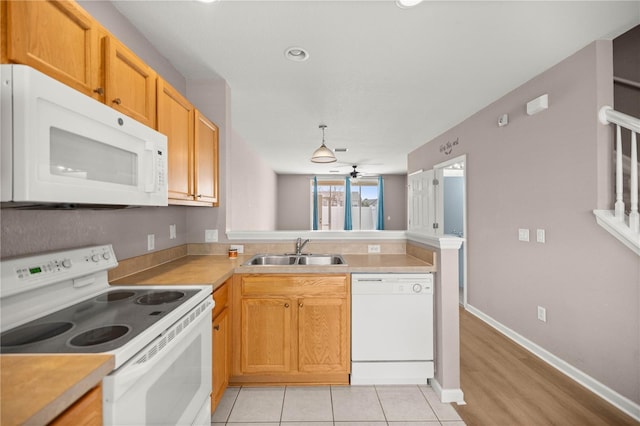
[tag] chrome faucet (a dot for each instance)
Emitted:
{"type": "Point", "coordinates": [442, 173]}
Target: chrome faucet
{"type": "Point", "coordinates": [300, 245]}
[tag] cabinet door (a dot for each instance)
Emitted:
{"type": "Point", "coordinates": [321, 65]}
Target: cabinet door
{"type": "Point", "coordinates": [206, 160]}
{"type": "Point", "coordinates": [87, 411]}
{"type": "Point", "coordinates": [266, 335]}
{"type": "Point", "coordinates": [57, 38]}
{"type": "Point", "coordinates": [323, 335]}
{"type": "Point", "coordinates": [130, 84]}
{"type": "Point", "coordinates": [175, 120]}
{"type": "Point", "coordinates": [221, 356]}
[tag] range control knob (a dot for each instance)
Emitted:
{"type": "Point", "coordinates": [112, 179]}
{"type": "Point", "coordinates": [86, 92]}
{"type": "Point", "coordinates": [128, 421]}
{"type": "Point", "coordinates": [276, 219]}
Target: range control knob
{"type": "Point", "coordinates": [66, 263]}
{"type": "Point", "coordinates": [106, 255]}
{"type": "Point", "coordinates": [417, 288]}
{"type": "Point", "coordinates": [95, 258]}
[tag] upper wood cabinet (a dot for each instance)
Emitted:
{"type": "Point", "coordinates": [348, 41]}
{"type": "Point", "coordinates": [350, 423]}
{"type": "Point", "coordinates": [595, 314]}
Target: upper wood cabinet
{"type": "Point", "coordinates": [193, 149]}
{"type": "Point", "coordinates": [56, 37]}
{"type": "Point", "coordinates": [63, 41]}
{"type": "Point", "coordinates": [206, 160]}
{"type": "Point", "coordinates": [129, 83]}
{"type": "Point", "coordinates": [176, 119]}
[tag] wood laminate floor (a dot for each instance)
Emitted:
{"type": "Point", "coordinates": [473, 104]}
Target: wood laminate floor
{"type": "Point", "coordinates": [504, 384]}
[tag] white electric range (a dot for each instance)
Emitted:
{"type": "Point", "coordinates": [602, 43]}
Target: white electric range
{"type": "Point", "coordinates": [160, 336]}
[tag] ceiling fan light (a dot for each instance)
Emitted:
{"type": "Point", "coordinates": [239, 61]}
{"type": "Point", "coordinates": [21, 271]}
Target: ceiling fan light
{"type": "Point", "coordinates": [323, 155]}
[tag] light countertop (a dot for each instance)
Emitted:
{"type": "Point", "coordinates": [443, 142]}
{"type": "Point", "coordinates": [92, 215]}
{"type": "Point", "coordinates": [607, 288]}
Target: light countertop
{"type": "Point", "coordinates": [38, 388]}
{"type": "Point", "coordinates": [216, 269]}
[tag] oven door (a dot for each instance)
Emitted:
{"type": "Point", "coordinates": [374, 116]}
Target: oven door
{"type": "Point", "coordinates": [167, 383]}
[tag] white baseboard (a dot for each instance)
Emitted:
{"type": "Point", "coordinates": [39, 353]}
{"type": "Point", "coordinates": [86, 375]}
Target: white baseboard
{"type": "Point", "coordinates": [604, 392]}
{"type": "Point", "coordinates": [447, 395]}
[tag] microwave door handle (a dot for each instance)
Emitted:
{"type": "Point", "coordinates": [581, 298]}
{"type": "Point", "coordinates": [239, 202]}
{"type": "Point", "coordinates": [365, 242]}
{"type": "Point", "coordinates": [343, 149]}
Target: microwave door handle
{"type": "Point", "coordinates": [150, 184]}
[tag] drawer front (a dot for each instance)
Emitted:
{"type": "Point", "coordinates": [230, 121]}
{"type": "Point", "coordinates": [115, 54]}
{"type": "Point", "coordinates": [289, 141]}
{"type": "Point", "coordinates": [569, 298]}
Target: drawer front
{"type": "Point", "coordinates": [307, 285]}
{"type": "Point", "coordinates": [221, 297]}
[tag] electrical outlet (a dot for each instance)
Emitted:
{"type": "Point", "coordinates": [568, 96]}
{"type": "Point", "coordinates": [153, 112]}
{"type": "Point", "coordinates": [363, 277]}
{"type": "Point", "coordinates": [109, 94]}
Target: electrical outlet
{"type": "Point", "coordinates": [238, 247]}
{"type": "Point", "coordinates": [172, 232]}
{"type": "Point", "coordinates": [523, 234]}
{"type": "Point", "coordinates": [151, 242]}
{"type": "Point", "coordinates": [373, 248]}
{"type": "Point", "coordinates": [542, 314]}
{"type": "Point", "coordinates": [210, 235]}
{"type": "Point", "coordinates": [540, 235]}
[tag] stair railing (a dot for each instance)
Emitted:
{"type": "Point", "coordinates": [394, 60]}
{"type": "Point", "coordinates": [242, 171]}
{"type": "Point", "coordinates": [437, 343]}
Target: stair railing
{"type": "Point", "coordinates": [627, 229]}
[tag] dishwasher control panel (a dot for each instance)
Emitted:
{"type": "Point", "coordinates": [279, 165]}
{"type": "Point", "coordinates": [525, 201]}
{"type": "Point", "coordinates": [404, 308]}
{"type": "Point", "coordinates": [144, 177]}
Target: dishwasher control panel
{"type": "Point", "coordinates": [395, 283]}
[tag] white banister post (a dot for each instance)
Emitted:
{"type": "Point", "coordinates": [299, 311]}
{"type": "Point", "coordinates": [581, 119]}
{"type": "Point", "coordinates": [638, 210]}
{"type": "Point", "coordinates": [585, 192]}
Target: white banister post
{"type": "Point", "coordinates": [634, 219]}
{"type": "Point", "coordinates": [619, 205]}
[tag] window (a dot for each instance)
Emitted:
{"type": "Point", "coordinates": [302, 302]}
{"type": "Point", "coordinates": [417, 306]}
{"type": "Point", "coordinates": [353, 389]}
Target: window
{"type": "Point", "coordinates": [331, 200]}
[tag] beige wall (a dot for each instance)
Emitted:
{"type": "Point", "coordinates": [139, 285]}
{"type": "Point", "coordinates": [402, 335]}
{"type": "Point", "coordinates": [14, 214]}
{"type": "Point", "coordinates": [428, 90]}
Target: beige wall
{"type": "Point", "coordinates": [541, 171]}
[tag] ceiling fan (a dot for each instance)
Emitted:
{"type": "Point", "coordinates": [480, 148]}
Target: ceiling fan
{"type": "Point", "coordinates": [355, 173]}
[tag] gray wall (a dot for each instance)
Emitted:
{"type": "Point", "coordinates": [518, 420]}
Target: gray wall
{"type": "Point", "coordinates": [253, 190]}
{"type": "Point", "coordinates": [550, 171]}
{"type": "Point", "coordinates": [294, 209]}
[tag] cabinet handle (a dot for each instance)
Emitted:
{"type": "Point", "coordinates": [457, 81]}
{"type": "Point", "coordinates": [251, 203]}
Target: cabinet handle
{"type": "Point", "coordinates": [286, 305]}
{"type": "Point", "coordinates": [99, 91]}
{"type": "Point", "coordinates": [301, 304]}
{"type": "Point", "coordinates": [216, 327]}
{"type": "Point", "coordinates": [117, 101]}
{"type": "Point", "coordinates": [199, 196]}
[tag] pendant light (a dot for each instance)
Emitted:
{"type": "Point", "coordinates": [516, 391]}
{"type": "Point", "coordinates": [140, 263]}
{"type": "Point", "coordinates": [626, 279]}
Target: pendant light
{"type": "Point", "coordinates": [323, 154]}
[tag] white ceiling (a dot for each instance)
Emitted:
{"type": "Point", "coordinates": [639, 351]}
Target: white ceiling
{"type": "Point", "coordinates": [384, 80]}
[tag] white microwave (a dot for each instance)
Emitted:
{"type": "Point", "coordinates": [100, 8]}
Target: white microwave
{"type": "Point", "coordinates": [61, 147]}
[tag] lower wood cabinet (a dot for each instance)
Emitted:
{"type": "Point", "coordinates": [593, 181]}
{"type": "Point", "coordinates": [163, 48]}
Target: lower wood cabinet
{"type": "Point", "coordinates": [221, 341]}
{"type": "Point", "coordinates": [291, 329]}
{"type": "Point", "coordinates": [87, 411]}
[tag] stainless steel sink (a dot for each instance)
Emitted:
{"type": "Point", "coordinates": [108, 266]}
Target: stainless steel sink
{"type": "Point", "coordinates": [292, 259]}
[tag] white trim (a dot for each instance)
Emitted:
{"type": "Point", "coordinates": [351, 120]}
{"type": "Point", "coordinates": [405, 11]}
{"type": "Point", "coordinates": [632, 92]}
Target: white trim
{"type": "Point", "coordinates": [619, 229]}
{"type": "Point", "coordinates": [447, 395]}
{"type": "Point", "coordinates": [623, 403]}
{"type": "Point", "coordinates": [608, 115]}
{"type": "Point", "coordinates": [442, 242]}
{"type": "Point", "coordinates": [316, 235]}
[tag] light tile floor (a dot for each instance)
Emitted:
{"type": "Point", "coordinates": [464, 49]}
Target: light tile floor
{"type": "Point", "coordinates": [334, 405]}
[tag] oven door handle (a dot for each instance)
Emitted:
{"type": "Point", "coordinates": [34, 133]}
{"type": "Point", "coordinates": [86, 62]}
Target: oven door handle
{"type": "Point", "coordinates": [132, 372]}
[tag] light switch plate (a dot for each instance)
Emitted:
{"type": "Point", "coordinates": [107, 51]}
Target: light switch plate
{"type": "Point", "coordinates": [523, 234]}
{"type": "Point", "coordinates": [172, 232]}
{"type": "Point", "coordinates": [151, 242]}
{"type": "Point", "coordinates": [210, 235]}
{"type": "Point", "coordinates": [540, 235]}
{"type": "Point", "coordinates": [542, 314]}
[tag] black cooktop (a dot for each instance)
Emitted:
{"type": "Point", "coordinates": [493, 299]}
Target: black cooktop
{"type": "Point", "coordinates": [98, 324]}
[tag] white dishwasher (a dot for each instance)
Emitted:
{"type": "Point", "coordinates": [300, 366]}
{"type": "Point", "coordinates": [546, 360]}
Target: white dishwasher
{"type": "Point", "coordinates": [391, 328]}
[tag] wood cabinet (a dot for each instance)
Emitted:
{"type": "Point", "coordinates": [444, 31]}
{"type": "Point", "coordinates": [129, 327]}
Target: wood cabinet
{"type": "Point", "coordinates": [193, 149]}
{"type": "Point", "coordinates": [63, 41]}
{"type": "Point", "coordinates": [291, 329]}
{"type": "Point", "coordinates": [129, 83]}
{"type": "Point", "coordinates": [206, 172]}
{"type": "Point", "coordinates": [55, 37]}
{"type": "Point", "coordinates": [221, 341]}
{"type": "Point", "coordinates": [87, 411]}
